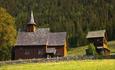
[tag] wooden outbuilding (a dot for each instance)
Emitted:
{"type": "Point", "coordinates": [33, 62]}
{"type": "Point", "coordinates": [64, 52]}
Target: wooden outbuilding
{"type": "Point", "coordinates": [99, 39]}
{"type": "Point", "coordinates": [39, 43]}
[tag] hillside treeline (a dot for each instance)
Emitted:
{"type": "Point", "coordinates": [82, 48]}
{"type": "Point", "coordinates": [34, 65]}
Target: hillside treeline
{"type": "Point", "coordinates": [76, 17]}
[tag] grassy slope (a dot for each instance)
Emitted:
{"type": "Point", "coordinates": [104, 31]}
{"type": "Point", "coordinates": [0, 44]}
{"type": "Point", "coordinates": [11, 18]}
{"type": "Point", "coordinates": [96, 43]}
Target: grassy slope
{"type": "Point", "coordinates": [81, 50]}
{"type": "Point", "coordinates": [70, 65]}
{"type": "Point", "coordinates": [112, 47]}
{"type": "Point", "coordinates": [77, 51]}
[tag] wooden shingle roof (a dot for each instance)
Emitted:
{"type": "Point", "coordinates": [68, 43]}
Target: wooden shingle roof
{"type": "Point", "coordinates": [41, 37]}
{"type": "Point", "coordinates": [56, 39]}
{"type": "Point", "coordinates": [94, 34]}
{"type": "Point", "coordinates": [38, 37]}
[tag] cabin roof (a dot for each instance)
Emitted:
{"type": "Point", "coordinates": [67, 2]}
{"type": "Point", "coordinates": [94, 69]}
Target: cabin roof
{"type": "Point", "coordinates": [42, 36]}
{"type": "Point", "coordinates": [57, 38]}
{"type": "Point", "coordinates": [95, 34]}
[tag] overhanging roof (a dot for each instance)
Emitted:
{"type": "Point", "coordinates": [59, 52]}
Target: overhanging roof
{"type": "Point", "coordinates": [94, 34]}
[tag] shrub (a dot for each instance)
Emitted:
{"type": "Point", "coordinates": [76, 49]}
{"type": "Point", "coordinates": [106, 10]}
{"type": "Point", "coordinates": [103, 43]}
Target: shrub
{"type": "Point", "coordinates": [91, 50]}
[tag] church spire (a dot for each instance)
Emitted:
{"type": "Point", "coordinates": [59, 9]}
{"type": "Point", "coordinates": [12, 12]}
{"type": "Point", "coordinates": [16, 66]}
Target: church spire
{"type": "Point", "coordinates": [32, 19]}
{"type": "Point", "coordinates": [31, 26]}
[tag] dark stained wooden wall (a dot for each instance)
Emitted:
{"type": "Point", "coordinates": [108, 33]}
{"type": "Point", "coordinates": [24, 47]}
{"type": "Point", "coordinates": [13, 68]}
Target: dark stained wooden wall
{"type": "Point", "coordinates": [96, 41]}
{"type": "Point", "coordinates": [29, 52]}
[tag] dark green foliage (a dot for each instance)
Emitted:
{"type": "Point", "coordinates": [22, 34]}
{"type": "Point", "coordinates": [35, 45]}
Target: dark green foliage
{"type": "Point", "coordinates": [5, 52]}
{"type": "Point", "coordinates": [91, 50]}
{"type": "Point", "coordinates": [76, 17]}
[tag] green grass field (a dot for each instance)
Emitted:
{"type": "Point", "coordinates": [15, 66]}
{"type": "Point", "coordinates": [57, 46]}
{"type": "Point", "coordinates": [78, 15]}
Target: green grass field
{"type": "Point", "coordinates": [81, 50]}
{"type": "Point", "coordinates": [66, 65]}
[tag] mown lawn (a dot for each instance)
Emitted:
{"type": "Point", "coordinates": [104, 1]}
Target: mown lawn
{"type": "Point", "coordinates": [66, 65]}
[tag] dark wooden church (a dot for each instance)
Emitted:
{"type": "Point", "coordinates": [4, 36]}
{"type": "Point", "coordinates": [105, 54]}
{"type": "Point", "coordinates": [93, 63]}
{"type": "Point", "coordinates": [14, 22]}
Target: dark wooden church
{"type": "Point", "coordinates": [39, 43]}
{"type": "Point", "coordinates": [99, 39]}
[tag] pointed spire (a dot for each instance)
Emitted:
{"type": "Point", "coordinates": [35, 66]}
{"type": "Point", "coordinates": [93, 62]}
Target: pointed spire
{"type": "Point", "coordinates": [32, 19]}
{"type": "Point", "coordinates": [31, 26]}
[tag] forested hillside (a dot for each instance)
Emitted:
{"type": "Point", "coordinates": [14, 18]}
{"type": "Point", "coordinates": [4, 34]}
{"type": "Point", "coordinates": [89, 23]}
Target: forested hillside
{"type": "Point", "coordinates": [76, 17]}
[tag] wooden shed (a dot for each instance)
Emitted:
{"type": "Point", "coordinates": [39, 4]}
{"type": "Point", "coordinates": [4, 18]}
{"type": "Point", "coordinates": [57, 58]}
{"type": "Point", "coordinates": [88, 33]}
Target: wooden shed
{"type": "Point", "coordinates": [38, 43]}
{"type": "Point", "coordinates": [99, 39]}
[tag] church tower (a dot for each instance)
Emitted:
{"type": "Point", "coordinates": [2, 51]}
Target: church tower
{"type": "Point", "coordinates": [31, 26]}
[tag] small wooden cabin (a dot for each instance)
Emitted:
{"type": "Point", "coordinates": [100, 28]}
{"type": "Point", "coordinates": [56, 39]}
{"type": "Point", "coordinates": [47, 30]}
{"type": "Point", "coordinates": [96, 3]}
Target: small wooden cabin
{"type": "Point", "coordinates": [99, 39]}
{"type": "Point", "coordinates": [38, 43]}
